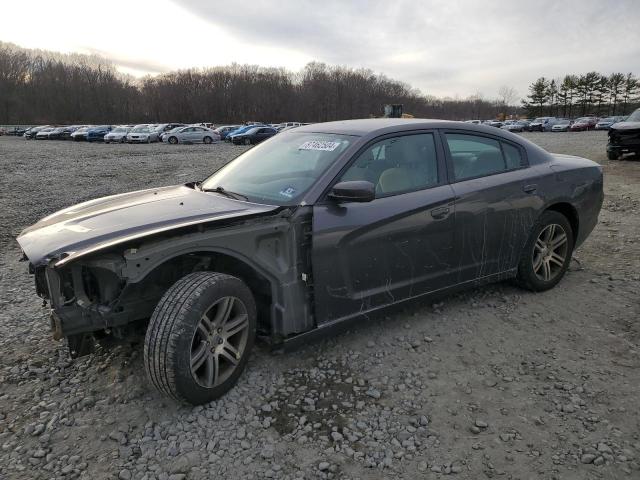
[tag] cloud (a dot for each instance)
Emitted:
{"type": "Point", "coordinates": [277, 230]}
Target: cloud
{"type": "Point", "coordinates": [458, 46]}
{"type": "Point", "coordinates": [452, 47]}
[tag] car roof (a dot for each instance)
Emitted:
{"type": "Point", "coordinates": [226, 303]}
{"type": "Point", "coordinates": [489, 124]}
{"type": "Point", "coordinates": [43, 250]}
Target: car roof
{"type": "Point", "coordinates": [378, 126]}
{"type": "Point", "coordinates": [370, 125]}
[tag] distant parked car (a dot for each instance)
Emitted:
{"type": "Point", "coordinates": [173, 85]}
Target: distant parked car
{"type": "Point", "coordinates": [254, 135]}
{"type": "Point", "coordinates": [118, 134]}
{"type": "Point", "coordinates": [191, 134]}
{"type": "Point", "coordinates": [495, 123]}
{"type": "Point", "coordinates": [44, 133]}
{"type": "Point", "coordinates": [563, 125]}
{"type": "Point", "coordinates": [63, 133]}
{"type": "Point", "coordinates": [96, 134]}
{"type": "Point", "coordinates": [225, 129]}
{"type": "Point", "coordinates": [80, 134]}
{"type": "Point", "coordinates": [475, 122]}
{"type": "Point", "coordinates": [15, 131]}
{"type": "Point", "coordinates": [240, 131]}
{"type": "Point", "coordinates": [624, 137]}
{"type": "Point", "coordinates": [55, 133]}
{"type": "Point", "coordinates": [605, 123]}
{"type": "Point", "coordinates": [163, 128]}
{"type": "Point", "coordinates": [30, 133]}
{"type": "Point", "coordinates": [543, 124]}
{"type": "Point", "coordinates": [515, 126]}
{"type": "Point", "coordinates": [584, 123]}
{"type": "Point", "coordinates": [140, 134]}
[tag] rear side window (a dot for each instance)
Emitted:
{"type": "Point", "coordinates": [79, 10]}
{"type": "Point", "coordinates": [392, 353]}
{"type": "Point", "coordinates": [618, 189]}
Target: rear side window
{"type": "Point", "coordinates": [475, 156]}
{"type": "Point", "coordinates": [512, 156]}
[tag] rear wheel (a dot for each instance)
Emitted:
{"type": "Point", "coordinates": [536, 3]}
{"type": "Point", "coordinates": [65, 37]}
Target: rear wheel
{"type": "Point", "coordinates": [207, 140]}
{"type": "Point", "coordinates": [200, 337]}
{"type": "Point", "coordinates": [247, 141]}
{"type": "Point", "coordinates": [547, 254]}
{"type": "Point", "coordinates": [613, 155]}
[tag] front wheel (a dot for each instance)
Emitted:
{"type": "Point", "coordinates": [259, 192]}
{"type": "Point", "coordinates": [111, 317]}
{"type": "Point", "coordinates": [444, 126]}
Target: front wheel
{"type": "Point", "coordinates": [173, 140]}
{"type": "Point", "coordinates": [613, 155]}
{"type": "Point", "coordinates": [247, 141]}
{"type": "Point", "coordinates": [200, 337]}
{"type": "Point", "coordinates": [207, 140]}
{"type": "Point", "coordinates": [547, 253]}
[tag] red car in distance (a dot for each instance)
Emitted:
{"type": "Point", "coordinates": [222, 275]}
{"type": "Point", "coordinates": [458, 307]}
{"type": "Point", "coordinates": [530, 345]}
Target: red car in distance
{"type": "Point", "coordinates": [584, 123]}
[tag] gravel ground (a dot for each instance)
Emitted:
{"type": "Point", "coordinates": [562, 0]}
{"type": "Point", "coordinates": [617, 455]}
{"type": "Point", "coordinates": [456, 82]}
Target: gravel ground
{"type": "Point", "coordinates": [495, 382]}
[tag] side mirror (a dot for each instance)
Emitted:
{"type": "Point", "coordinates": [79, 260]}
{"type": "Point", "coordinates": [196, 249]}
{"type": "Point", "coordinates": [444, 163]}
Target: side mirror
{"type": "Point", "coordinates": [353, 191]}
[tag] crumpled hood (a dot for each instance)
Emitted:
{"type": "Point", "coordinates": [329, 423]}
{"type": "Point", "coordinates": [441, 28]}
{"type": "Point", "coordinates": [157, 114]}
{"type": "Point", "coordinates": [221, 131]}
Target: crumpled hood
{"type": "Point", "coordinates": [622, 126]}
{"type": "Point", "coordinates": [97, 224]}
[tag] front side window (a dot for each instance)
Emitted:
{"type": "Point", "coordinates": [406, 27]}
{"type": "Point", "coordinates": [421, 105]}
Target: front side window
{"type": "Point", "coordinates": [475, 156]}
{"type": "Point", "coordinates": [397, 165]}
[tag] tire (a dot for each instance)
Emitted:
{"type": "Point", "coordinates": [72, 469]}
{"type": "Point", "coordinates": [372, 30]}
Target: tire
{"type": "Point", "coordinates": [173, 140]}
{"type": "Point", "coordinates": [148, 139]}
{"type": "Point", "coordinates": [207, 140]}
{"type": "Point", "coordinates": [178, 353]}
{"type": "Point", "coordinates": [613, 155]}
{"type": "Point", "coordinates": [247, 141]}
{"type": "Point", "coordinates": [123, 140]}
{"type": "Point", "coordinates": [541, 265]}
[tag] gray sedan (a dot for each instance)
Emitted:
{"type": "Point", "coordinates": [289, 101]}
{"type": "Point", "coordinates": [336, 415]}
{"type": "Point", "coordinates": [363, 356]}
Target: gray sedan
{"type": "Point", "coordinates": [316, 227]}
{"type": "Point", "coordinates": [191, 134]}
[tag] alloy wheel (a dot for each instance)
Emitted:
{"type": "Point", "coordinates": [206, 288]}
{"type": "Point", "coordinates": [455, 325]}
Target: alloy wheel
{"type": "Point", "coordinates": [219, 341]}
{"type": "Point", "coordinates": [550, 252]}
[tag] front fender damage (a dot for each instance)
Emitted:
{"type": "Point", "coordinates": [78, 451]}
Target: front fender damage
{"type": "Point", "coordinates": [115, 287]}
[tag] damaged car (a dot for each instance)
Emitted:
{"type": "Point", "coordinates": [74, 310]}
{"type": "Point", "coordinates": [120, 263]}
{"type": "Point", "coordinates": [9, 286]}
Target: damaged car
{"type": "Point", "coordinates": [624, 137]}
{"type": "Point", "coordinates": [304, 233]}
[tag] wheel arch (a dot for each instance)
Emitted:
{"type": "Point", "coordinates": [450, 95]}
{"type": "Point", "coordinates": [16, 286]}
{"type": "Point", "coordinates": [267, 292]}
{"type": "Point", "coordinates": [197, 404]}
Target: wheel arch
{"type": "Point", "coordinates": [163, 273]}
{"type": "Point", "coordinates": [570, 212]}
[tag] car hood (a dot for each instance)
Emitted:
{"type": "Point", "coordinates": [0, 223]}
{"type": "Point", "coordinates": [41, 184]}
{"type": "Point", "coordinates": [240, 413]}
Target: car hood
{"type": "Point", "coordinates": [101, 223]}
{"type": "Point", "coordinates": [626, 126]}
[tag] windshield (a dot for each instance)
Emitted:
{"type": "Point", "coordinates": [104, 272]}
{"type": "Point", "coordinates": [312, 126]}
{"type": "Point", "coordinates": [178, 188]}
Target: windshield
{"type": "Point", "coordinates": [539, 120]}
{"type": "Point", "coordinates": [634, 117]}
{"type": "Point", "coordinates": [279, 171]}
{"type": "Point", "coordinates": [140, 129]}
{"type": "Point", "coordinates": [564, 122]}
{"type": "Point", "coordinates": [583, 120]}
{"type": "Point", "coordinates": [119, 130]}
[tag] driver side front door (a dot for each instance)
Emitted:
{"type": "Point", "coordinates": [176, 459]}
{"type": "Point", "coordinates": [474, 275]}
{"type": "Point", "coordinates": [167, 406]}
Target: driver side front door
{"type": "Point", "coordinates": [398, 246]}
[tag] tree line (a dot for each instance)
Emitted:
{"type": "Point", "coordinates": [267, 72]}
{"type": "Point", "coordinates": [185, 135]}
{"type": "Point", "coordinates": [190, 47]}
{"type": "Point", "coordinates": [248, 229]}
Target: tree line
{"type": "Point", "coordinates": [579, 95]}
{"type": "Point", "coordinates": [38, 87]}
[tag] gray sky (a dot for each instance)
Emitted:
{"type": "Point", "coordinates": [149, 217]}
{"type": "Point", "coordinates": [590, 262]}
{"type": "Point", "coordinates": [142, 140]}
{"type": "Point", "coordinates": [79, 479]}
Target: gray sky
{"type": "Point", "coordinates": [444, 48]}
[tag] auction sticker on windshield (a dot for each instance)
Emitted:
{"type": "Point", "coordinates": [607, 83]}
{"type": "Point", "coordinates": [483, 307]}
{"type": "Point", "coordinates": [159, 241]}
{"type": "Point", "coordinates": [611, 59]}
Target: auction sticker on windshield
{"type": "Point", "coordinates": [318, 145]}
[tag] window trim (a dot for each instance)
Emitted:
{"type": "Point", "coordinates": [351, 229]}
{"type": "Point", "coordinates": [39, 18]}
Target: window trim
{"type": "Point", "coordinates": [440, 162]}
{"type": "Point", "coordinates": [524, 160]}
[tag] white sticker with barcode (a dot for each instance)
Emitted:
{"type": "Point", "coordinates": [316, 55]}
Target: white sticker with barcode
{"type": "Point", "coordinates": [318, 145]}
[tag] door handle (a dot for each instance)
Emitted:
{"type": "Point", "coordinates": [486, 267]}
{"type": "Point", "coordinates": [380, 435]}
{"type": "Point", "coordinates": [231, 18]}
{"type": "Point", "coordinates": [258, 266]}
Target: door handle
{"type": "Point", "coordinates": [440, 212]}
{"type": "Point", "coordinates": [530, 188]}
